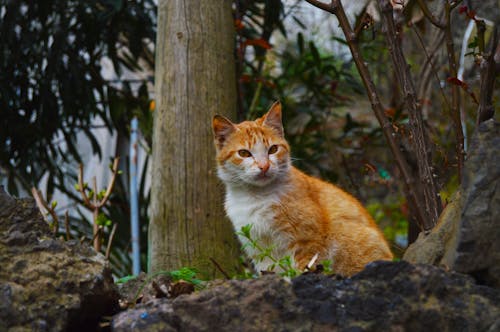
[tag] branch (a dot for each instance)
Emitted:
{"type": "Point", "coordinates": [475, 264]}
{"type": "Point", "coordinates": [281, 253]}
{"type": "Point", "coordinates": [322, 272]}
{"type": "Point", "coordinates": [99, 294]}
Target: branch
{"type": "Point", "coordinates": [221, 270]}
{"type": "Point", "coordinates": [41, 203]}
{"type": "Point", "coordinates": [419, 139]}
{"type": "Point", "coordinates": [110, 240]}
{"type": "Point", "coordinates": [428, 67]}
{"type": "Point", "coordinates": [81, 188]}
{"type": "Point", "coordinates": [66, 224]}
{"type": "Point", "coordinates": [390, 135]}
{"type": "Point", "coordinates": [111, 183]}
{"type": "Point", "coordinates": [455, 93]}
{"type": "Point", "coordinates": [429, 15]}
{"type": "Point", "coordinates": [486, 110]}
{"type": "Point", "coordinates": [322, 5]}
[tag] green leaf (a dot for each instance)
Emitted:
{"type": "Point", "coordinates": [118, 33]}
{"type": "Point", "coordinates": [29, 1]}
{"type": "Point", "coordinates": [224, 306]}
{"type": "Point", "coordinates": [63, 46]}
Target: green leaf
{"type": "Point", "coordinates": [102, 220]}
{"type": "Point", "coordinates": [125, 279]}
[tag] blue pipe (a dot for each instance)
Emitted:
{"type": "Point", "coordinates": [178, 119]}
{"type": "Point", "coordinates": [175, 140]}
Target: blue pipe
{"type": "Point", "coordinates": [134, 199]}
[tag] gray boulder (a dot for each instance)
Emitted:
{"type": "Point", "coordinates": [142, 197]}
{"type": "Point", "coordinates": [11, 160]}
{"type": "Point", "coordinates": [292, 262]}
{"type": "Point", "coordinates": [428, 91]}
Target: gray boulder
{"type": "Point", "coordinates": [386, 296]}
{"type": "Point", "coordinates": [47, 284]}
{"type": "Point", "coordinates": [466, 238]}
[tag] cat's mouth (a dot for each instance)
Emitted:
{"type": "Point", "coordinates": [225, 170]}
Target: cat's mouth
{"type": "Point", "coordinates": [263, 177]}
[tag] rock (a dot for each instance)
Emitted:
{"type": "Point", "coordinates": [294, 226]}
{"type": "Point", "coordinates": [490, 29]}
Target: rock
{"type": "Point", "coordinates": [466, 238]}
{"type": "Point", "coordinates": [47, 284]}
{"type": "Point", "coordinates": [478, 248]}
{"type": "Point", "coordinates": [386, 296]}
{"type": "Point", "coordinates": [441, 241]}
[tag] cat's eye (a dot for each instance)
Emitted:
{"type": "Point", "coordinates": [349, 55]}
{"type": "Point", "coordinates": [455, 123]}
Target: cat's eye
{"type": "Point", "coordinates": [244, 153]}
{"type": "Point", "coordinates": [273, 149]}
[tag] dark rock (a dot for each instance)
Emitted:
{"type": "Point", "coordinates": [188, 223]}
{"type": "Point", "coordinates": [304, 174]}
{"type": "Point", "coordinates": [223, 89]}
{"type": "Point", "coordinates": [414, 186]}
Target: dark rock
{"type": "Point", "coordinates": [386, 296]}
{"type": "Point", "coordinates": [47, 284]}
{"type": "Point", "coordinates": [466, 238]}
{"type": "Point", "coordinates": [478, 249]}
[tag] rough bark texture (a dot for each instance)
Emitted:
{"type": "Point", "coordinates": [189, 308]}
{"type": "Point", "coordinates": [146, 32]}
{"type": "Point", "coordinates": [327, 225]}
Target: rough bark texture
{"type": "Point", "coordinates": [195, 79]}
{"type": "Point", "coordinates": [386, 296]}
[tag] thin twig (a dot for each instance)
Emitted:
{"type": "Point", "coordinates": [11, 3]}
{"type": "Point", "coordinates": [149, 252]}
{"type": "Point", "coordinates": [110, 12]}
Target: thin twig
{"type": "Point", "coordinates": [96, 204]}
{"type": "Point", "coordinates": [110, 239]}
{"type": "Point", "coordinates": [429, 68]}
{"type": "Point", "coordinates": [111, 183]}
{"type": "Point", "coordinates": [419, 139]}
{"type": "Point", "coordinates": [66, 224]}
{"type": "Point", "coordinates": [81, 188]}
{"type": "Point", "coordinates": [429, 15]}
{"type": "Point", "coordinates": [414, 200]}
{"type": "Point", "coordinates": [220, 268]}
{"type": "Point", "coordinates": [41, 203]}
{"type": "Point", "coordinates": [99, 230]}
{"type": "Point", "coordinates": [486, 110]}
{"type": "Point", "coordinates": [455, 94]}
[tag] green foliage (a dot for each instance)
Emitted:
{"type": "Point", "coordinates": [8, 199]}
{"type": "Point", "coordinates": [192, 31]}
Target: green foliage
{"type": "Point", "coordinates": [52, 85]}
{"type": "Point", "coordinates": [102, 220]}
{"type": "Point", "coordinates": [125, 279]}
{"type": "Point", "coordinates": [284, 264]}
{"type": "Point", "coordinates": [392, 219]}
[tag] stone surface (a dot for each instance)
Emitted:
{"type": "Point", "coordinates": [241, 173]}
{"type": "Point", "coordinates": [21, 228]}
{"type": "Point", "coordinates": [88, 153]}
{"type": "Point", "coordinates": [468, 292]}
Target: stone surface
{"type": "Point", "coordinates": [386, 296]}
{"type": "Point", "coordinates": [47, 284]}
{"type": "Point", "coordinates": [478, 247]}
{"type": "Point", "coordinates": [466, 238]}
{"type": "Point", "coordinates": [441, 241]}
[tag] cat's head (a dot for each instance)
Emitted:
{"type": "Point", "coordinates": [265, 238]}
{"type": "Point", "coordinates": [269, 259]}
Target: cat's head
{"type": "Point", "coordinates": [252, 153]}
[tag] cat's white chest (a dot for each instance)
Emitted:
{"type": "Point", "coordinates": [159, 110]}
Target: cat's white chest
{"type": "Point", "coordinates": [245, 208]}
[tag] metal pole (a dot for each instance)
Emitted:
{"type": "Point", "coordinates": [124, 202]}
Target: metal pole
{"type": "Point", "coordinates": [134, 200]}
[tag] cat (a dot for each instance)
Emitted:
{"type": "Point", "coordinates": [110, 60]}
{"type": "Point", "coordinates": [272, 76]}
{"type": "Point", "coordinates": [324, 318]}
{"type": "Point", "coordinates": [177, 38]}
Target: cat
{"type": "Point", "coordinates": [294, 214]}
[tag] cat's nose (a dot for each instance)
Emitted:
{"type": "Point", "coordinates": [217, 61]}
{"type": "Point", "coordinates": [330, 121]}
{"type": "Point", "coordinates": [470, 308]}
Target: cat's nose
{"type": "Point", "coordinates": [263, 166]}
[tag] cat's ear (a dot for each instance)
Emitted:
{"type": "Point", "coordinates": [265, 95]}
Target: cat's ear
{"type": "Point", "coordinates": [273, 118]}
{"type": "Point", "coordinates": [222, 128]}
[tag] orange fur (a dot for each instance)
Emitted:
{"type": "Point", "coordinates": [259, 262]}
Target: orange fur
{"type": "Point", "coordinates": [298, 215]}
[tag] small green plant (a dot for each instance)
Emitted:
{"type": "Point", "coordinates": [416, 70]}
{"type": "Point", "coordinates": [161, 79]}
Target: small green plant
{"type": "Point", "coordinates": [125, 279]}
{"type": "Point", "coordinates": [327, 266]}
{"type": "Point", "coordinates": [284, 263]}
{"type": "Point", "coordinates": [95, 200]}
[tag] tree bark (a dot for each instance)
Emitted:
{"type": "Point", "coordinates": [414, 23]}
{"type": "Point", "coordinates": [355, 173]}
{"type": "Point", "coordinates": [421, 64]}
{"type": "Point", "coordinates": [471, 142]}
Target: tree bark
{"type": "Point", "coordinates": [194, 80]}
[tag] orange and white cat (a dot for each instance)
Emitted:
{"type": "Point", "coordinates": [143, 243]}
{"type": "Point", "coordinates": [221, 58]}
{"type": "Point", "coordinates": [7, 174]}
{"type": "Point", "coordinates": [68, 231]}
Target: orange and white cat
{"type": "Point", "coordinates": [294, 214]}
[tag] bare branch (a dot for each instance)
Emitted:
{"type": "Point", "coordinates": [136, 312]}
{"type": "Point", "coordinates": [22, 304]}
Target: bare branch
{"type": "Point", "coordinates": [221, 270]}
{"type": "Point", "coordinates": [66, 224]}
{"type": "Point", "coordinates": [95, 214]}
{"type": "Point", "coordinates": [81, 188]}
{"type": "Point", "coordinates": [322, 5]}
{"type": "Point", "coordinates": [486, 110]}
{"type": "Point", "coordinates": [455, 93]}
{"type": "Point", "coordinates": [110, 240]}
{"type": "Point", "coordinates": [390, 135]}
{"type": "Point", "coordinates": [428, 14]}
{"type": "Point", "coordinates": [419, 139]}
{"type": "Point", "coordinates": [111, 183]}
{"type": "Point", "coordinates": [42, 204]}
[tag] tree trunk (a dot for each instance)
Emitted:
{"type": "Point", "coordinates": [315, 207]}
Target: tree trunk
{"type": "Point", "coordinates": [194, 80]}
